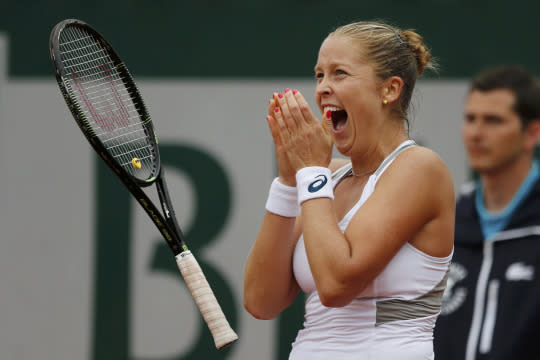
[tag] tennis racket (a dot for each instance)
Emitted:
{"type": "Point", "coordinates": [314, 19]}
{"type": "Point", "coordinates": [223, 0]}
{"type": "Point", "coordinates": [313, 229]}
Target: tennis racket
{"type": "Point", "coordinates": [109, 109]}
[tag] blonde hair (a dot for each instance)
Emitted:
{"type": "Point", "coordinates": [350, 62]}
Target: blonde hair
{"type": "Point", "coordinates": [391, 52]}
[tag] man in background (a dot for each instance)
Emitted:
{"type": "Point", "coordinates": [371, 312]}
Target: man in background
{"type": "Point", "coordinates": [491, 307]}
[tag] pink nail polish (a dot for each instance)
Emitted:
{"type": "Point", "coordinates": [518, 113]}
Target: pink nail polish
{"type": "Point", "coordinates": [276, 109]}
{"type": "Point", "coordinates": [280, 95]}
{"type": "Point", "coordinates": [287, 90]}
{"type": "Point", "coordinates": [329, 114]}
{"type": "Point", "coordinates": [294, 91]}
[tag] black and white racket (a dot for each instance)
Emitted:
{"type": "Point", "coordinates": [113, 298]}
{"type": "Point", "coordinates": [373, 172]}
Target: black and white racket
{"type": "Point", "coordinates": [107, 106]}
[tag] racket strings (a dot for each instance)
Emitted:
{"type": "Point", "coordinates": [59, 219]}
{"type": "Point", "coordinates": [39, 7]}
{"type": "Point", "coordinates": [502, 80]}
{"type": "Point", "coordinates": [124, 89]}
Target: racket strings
{"type": "Point", "coordinates": [107, 103]}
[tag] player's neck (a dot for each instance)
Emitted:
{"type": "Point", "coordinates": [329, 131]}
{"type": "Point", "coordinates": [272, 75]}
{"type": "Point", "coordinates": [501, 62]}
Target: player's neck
{"type": "Point", "coordinates": [500, 186]}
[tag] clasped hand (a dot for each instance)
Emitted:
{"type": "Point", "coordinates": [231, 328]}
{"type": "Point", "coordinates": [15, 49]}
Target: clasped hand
{"type": "Point", "coordinates": [300, 138]}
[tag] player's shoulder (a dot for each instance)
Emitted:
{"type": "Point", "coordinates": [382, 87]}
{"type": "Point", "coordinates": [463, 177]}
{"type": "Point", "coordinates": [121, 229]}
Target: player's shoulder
{"type": "Point", "coordinates": [420, 176]}
{"type": "Point", "coordinates": [422, 158]}
{"type": "Point", "coordinates": [421, 166]}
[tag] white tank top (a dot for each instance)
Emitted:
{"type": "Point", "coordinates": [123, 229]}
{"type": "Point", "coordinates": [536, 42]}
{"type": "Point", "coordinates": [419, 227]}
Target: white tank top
{"type": "Point", "coordinates": [393, 318]}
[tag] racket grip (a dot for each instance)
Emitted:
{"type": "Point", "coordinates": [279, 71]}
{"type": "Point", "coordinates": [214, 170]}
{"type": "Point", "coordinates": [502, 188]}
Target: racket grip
{"type": "Point", "coordinates": [205, 299]}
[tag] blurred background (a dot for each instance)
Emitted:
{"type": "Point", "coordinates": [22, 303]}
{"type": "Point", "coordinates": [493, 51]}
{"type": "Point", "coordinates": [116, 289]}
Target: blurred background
{"type": "Point", "coordinates": [84, 273]}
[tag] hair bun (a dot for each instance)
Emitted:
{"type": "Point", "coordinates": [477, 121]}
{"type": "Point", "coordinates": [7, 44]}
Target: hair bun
{"type": "Point", "coordinates": [421, 53]}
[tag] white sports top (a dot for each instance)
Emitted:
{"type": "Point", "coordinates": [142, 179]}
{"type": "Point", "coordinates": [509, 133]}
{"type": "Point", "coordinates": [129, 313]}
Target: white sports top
{"type": "Point", "coordinates": [393, 318]}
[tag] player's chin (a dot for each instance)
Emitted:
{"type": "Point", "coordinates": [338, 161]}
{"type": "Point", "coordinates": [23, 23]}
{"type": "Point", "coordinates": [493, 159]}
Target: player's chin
{"type": "Point", "coordinates": [343, 147]}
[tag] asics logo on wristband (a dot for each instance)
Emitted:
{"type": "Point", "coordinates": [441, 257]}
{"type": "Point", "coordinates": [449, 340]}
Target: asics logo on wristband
{"type": "Point", "coordinates": [317, 184]}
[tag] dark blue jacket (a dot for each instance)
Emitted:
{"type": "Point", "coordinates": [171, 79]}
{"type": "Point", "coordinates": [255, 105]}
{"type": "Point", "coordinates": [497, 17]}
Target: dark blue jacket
{"type": "Point", "coordinates": [491, 307]}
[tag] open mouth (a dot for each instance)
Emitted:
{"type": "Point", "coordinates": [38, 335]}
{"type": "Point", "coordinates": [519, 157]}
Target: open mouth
{"type": "Point", "coordinates": [339, 117]}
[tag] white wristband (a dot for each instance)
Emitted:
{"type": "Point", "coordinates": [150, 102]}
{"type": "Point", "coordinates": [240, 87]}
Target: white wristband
{"type": "Point", "coordinates": [314, 182]}
{"type": "Point", "coordinates": [282, 200]}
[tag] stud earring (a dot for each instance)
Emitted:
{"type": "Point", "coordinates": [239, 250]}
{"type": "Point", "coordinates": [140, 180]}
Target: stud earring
{"type": "Point", "coordinates": [385, 101]}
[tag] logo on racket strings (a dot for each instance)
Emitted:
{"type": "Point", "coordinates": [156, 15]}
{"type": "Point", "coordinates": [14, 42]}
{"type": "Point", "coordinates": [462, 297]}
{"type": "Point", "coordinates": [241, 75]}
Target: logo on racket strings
{"type": "Point", "coordinates": [317, 184]}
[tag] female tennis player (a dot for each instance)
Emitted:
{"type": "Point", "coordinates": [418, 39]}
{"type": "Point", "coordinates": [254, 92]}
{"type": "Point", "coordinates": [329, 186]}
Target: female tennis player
{"type": "Point", "coordinates": [368, 238]}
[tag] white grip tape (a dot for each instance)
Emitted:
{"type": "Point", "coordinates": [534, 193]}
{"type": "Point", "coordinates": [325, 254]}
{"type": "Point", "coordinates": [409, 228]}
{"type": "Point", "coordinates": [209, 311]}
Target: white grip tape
{"type": "Point", "coordinates": [314, 182]}
{"type": "Point", "coordinates": [221, 331]}
{"type": "Point", "coordinates": [282, 200]}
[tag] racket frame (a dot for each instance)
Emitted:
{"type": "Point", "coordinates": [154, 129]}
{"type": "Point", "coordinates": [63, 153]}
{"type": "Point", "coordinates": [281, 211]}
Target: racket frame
{"type": "Point", "coordinates": [175, 239]}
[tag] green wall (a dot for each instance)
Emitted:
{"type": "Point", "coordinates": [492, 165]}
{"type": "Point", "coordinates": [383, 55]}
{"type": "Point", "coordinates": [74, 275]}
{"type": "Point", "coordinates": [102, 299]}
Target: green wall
{"type": "Point", "coordinates": [254, 38]}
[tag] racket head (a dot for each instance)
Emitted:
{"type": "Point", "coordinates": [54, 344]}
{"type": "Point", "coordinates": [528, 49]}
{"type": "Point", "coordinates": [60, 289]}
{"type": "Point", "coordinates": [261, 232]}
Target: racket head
{"type": "Point", "coordinates": [104, 100]}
